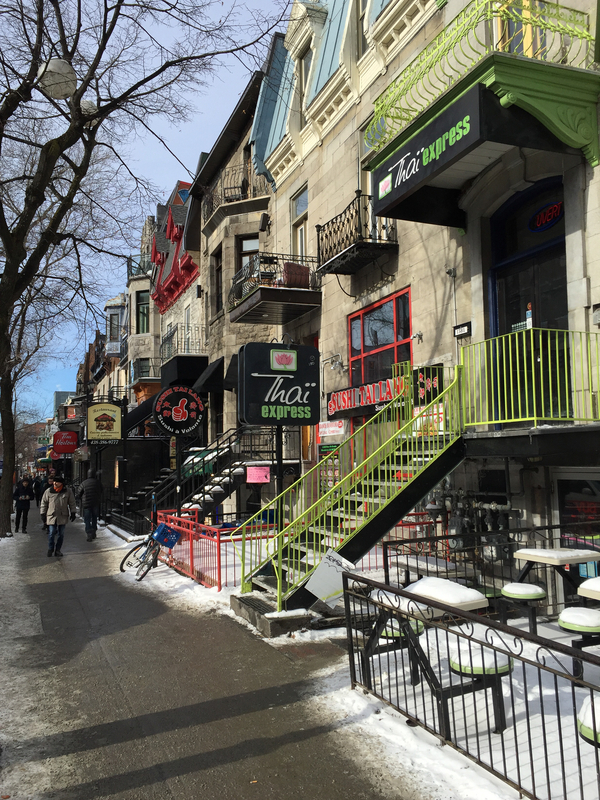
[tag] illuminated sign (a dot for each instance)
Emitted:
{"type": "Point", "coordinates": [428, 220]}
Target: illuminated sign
{"type": "Point", "coordinates": [546, 217]}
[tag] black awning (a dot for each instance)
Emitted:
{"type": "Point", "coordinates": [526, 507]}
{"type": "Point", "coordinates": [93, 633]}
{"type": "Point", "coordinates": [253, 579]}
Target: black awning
{"type": "Point", "coordinates": [231, 376]}
{"type": "Point", "coordinates": [211, 380]}
{"type": "Point", "coordinates": [139, 414]}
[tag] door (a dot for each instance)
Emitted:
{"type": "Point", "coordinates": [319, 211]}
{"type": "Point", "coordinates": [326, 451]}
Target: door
{"type": "Point", "coordinates": [530, 314]}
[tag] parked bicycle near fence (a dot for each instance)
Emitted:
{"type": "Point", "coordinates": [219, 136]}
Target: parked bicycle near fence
{"type": "Point", "coordinates": [144, 556]}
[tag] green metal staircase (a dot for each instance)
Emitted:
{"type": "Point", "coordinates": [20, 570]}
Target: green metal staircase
{"type": "Point", "coordinates": [352, 498]}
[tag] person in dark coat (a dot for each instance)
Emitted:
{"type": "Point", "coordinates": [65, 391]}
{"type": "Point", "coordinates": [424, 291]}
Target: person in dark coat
{"type": "Point", "coordinates": [22, 496]}
{"type": "Point", "coordinates": [90, 492]}
{"type": "Point", "coordinates": [37, 490]}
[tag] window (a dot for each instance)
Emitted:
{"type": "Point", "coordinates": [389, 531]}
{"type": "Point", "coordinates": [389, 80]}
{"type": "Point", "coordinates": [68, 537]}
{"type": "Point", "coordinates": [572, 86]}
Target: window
{"type": "Point", "coordinates": [246, 249]}
{"type": "Point", "coordinates": [218, 281]}
{"type": "Point", "coordinates": [113, 328]}
{"type": "Point", "coordinates": [379, 337]}
{"type": "Point", "coordinates": [300, 222]}
{"type": "Point", "coordinates": [303, 72]}
{"type": "Point", "coordinates": [187, 329]}
{"type": "Point", "coordinates": [142, 304]}
{"type": "Point", "coordinates": [361, 40]}
{"type": "Point", "coordinates": [143, 368]}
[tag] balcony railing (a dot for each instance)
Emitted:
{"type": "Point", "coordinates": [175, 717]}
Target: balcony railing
{"type": "Point", "coordinates": [535, 376]}
{"type": "Point", "coordinates": [232, 184]}
{"type": "Point", "coordinates": [544, 31]}
{"type": "Point", "coordinates": [138, 265]}
{"type": "Point", "coordinates": [145, 369]}
{"type": "Point", "coordinates": [274, 270]}
{"type": "Point", "coordinates": [354, 237]}
{"type": "Point", "coordinates": [181, 341]}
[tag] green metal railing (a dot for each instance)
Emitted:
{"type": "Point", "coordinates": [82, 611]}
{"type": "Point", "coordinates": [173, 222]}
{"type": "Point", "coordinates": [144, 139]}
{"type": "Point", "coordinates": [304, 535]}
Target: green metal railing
{"type": "Point", "coordinates": [535, 376]}
{"type": "Point", "coordinates": [366, 472]}
{"type": "Point", "coordinates": [539, 30]}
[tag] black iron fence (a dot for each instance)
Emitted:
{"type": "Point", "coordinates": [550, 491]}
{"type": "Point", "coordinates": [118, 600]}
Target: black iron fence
{"type": "Point", "coordinates": [508, 700]}
{"type": "Point", "coordinates": [274, 270]}
{"type": "Point", "coordinates": [145, 368]}
{"type": "Point", "coordinates": [356, 223]}
{"type": "Point", "coordinates": [181, 340]}
{"type": "Point", "coordinates": [232, 184]}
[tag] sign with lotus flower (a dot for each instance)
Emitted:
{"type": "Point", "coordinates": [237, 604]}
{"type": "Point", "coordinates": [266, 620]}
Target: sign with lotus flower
{"type": "Point", "coordinates": [279, 384]}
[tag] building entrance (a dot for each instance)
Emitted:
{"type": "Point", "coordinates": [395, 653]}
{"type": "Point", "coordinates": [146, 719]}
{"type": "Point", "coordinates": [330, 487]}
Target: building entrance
{"type": "Point", "coordinates": [528, 292]}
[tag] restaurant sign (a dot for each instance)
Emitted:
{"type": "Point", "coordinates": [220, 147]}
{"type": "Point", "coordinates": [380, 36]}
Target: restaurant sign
{"type": "Point", "coordinates": [104, 423]}
{"type": "Point", "coordinates": [278, 384]}
{"type": "Point", "coordinates": [356, 400]}
{"type": "Point", "coordinates": [178, 410]}
{"type": "Point", "coordinates": [65, 442]}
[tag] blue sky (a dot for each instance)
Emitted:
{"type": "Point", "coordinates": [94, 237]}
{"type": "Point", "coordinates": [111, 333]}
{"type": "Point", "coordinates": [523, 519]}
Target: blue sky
{"type": "Point", "coordinates": [153, 161]}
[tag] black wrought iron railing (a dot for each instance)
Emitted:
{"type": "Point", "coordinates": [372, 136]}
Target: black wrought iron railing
{"type": "Point", "coordinates": [274, 270]}
{"type": "Point", "coordinates": [232, 184]}
{"type": "Point", "coordinates": [356, 223]}
{"type": "Point", "coordinates": [145, 368]}
{"type": "Point", "coordinates": [181, 340]}
{"type": "Point", "coordinates": [139, 264]}
{"type": "Point", "coordinates": [521, 705]}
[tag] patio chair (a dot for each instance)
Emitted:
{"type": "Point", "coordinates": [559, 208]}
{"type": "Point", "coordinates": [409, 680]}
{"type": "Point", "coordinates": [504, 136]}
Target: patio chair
{"type": "Point", "coordinates": [586, 622]}
{"type": "Point", "coordinates": [485, 668]}
{"type": "Point", "coordinates": [522, 597]}
{"type": "Point", "coordinates": [588, 721]}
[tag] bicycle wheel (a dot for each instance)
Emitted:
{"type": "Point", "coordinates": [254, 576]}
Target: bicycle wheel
{"type": "Point", "coordinates": [148, 560]}
{"type": "Point", "coordinates": [131, 559]}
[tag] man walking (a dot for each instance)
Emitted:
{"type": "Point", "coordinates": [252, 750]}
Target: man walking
{"type": "Point", "coordinates": [58, 506]}
{"type": "Point", "coordinates": [91, 493]}
{"type": "Point", "coordinates": [22, 496]}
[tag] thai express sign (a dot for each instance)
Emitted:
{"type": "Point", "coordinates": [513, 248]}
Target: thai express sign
{"type": "Point", "coordinates": [355, 400]}
{"type": "Point", "coordinates": [104, 423]}
{"type": "Point", "coordinates": [278, 385]}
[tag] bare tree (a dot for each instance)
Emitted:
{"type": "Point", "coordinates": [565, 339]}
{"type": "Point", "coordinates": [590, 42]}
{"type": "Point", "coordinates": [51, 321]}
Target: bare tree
{"type": "Point", "coordinates": [133, 61]}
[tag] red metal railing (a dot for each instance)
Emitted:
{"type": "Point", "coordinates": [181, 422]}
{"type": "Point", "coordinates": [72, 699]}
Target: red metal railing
{"type": "Point", "coordinates": [207, 554]}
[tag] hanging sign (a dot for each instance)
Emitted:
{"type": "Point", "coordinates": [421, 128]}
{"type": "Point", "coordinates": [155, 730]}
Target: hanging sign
{"type": "Point", "coordinates": [178, 410]}
{"type": "Point", "coordinates": [64, 442]}
{"type": "Point", "coordinates": [104, 423]}
{"type": "Point", "coordinates": [278, 384]}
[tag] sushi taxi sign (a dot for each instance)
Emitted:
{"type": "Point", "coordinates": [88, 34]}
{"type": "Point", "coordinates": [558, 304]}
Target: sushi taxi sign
{"type": "Point", "coordinates": [104, 423]}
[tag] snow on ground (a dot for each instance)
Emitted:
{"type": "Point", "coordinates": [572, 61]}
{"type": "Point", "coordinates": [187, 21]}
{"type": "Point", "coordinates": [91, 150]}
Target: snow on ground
{"type": "Point", "coordinates": [392, 752]}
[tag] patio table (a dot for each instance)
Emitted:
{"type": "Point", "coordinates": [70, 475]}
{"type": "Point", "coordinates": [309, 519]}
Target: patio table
{"type": "Point", "coordinates": [590, 588]}
{"type": "Point", "coordinates": [556, 557]}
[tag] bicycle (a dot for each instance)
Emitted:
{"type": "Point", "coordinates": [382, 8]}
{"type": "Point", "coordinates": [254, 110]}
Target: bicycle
{"type": "Point", "coordinates": [144, 556]}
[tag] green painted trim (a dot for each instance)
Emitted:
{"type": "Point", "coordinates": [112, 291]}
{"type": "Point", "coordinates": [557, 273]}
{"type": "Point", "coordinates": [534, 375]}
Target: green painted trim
{"type": "Point", "coordinates": [524, 597]}
{"type": "Point", "coordinates": [467, 669]}
{"type": "Point", "coordinates": [538, 87]}
{"type": "Point", "coordinates": [567, 626]}
{"type": "Point", "coordinates": [588, 734]}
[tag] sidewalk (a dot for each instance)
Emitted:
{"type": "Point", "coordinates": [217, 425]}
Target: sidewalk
{"type": "Point", "coordinates": [114, 689]}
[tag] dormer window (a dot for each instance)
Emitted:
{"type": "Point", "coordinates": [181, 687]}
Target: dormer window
{"type": "Point", "coordinates": [361, 40]}
{"type": "Point", "coordinates": [303, 73]}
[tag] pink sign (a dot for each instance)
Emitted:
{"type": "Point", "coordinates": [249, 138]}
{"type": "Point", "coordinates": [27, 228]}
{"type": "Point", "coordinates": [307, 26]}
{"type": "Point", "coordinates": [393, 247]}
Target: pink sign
{"type": "Point", "coordinates": [258, 474]}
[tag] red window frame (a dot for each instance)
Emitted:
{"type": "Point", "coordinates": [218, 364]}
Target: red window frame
{"type": "Point", "coordinates": [397, 342]}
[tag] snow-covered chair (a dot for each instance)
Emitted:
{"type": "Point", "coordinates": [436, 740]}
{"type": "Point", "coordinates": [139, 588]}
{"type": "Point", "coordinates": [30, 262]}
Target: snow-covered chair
{"type": "Point", "coordinates": [588, 720]}
{"type": "Point", "coordinates": [586, 623]}
{"type": "Point", "coordinates": [522, 597]}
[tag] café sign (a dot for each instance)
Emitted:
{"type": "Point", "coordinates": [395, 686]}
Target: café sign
{"type": "Point", "coordinates": [278, 384]}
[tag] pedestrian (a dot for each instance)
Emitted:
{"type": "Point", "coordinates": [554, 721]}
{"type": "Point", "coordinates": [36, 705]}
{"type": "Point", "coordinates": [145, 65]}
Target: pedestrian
{"type": "Point", "coordinates": [91, 493]}
{"type": "Point", "coordinates": [58, 506]}
{"type": "Point", "coordinates": [47, 483]}
{"type": "Point", "coordinates": [22, 496]}
{"type": "Point", "coordinates": [37, 490]}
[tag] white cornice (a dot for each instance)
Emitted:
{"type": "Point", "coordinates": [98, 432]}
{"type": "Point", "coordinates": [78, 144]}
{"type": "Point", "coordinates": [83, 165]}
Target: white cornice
{"type": "Point", "coordinates": [306, 20]}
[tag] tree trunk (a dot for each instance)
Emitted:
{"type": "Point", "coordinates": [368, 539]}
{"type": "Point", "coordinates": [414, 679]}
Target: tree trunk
{"type": "Point", "coordinates": [8, 439]}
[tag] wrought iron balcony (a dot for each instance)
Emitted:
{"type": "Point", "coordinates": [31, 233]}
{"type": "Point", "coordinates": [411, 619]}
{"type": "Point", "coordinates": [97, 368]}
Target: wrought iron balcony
{"type": "Point", "coordinates": [233, 184]}
{"type": "Point", "coordinates": [526, 28]}
{"type": "Point", "coordinates": [181, 341]}
{"type": "Point", "coordinates": [354, 238]}
{"type": "Point", "coordinates": [275, 289]}
{"type": "Point", "coordinates": [145, 369]}
{"type": "Point", "coordinates": [138, 265]}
